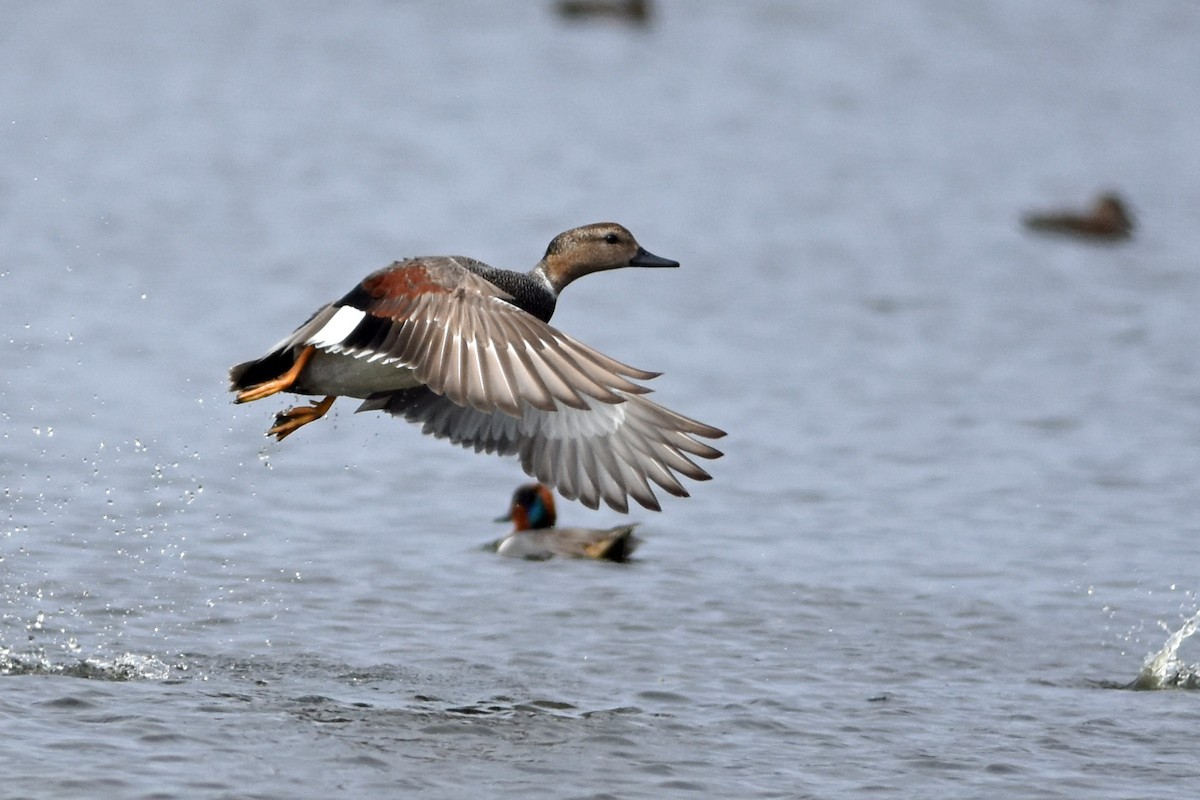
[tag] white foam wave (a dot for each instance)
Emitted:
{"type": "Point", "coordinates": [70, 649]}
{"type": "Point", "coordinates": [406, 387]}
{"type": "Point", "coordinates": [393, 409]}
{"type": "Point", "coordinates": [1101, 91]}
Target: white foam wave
{"type": "Point", "coordinates": [126, 667]}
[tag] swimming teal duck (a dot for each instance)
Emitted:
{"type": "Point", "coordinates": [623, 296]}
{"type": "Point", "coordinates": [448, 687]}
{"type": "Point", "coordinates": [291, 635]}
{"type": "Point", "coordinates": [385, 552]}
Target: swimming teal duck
{"type": "Point", "coordinates": [1107, 219]}
{"type": "Point", "coordinates": [465, 350]}
{"type": "Point", "coordinates": [535, 537]}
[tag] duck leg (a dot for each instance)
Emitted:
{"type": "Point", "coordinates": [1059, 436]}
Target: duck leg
{"type": "Point", "coordinates": [284, 382]}
{"type": "Point", "coordinates": [287, 422]}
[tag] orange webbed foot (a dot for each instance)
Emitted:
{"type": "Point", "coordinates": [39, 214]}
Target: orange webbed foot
{"type": "Point", "coordinates": [288, 422]}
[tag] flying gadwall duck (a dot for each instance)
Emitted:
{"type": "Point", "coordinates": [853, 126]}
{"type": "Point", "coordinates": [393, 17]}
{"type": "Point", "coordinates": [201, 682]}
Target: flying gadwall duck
{"type": "Point", "coordinates": [464, 349]}
{"type": "Point", "coordinates": [535, 537]}
{"type": "Point", "coordinates": [1108, 219]}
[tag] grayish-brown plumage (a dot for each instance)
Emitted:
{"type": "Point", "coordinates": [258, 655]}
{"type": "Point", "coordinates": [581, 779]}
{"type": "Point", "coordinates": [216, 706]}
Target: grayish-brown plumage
{"type": "Point", "coordinates": [465, 350]}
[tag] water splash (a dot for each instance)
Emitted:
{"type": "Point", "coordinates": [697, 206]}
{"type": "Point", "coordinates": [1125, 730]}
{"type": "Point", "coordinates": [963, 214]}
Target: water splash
{"type": "Point", "coordinates": [126, 667]}
{"type": "Point", "coordinates": [1164, 669]}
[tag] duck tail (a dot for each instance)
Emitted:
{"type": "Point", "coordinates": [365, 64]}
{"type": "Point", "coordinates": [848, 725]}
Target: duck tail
{"type": "Point", "coordinates": [614, 548]}
{"type": "Point", "coordinates": [260, 370]}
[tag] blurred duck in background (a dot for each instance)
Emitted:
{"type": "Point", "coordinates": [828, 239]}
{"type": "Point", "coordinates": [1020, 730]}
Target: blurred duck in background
{"type": "Point", "coordinates": [637, 12]}
{"type": "Point", "coordinates": [535, 537]}
{"type": "Point", "coordinates": [1108, 219]}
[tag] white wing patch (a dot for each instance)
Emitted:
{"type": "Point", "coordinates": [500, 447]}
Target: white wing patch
{"type": "Point", "coordinates": [339, 326]}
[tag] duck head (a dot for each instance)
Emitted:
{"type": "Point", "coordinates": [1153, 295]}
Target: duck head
{"type": "Point", "coordinates": [594, 248]}
{"type": "Point", "coordinates": [532, 508]}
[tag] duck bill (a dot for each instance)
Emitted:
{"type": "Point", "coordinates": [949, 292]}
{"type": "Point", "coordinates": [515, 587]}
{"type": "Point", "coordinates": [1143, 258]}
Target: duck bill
{"type": "Point", "coordinates": [648, 259]}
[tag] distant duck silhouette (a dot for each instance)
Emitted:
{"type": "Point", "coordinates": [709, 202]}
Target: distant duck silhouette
{"type": "Point", "coordinates": [535, 537]}
{"type": "Point", "coordinates": [635, 11]}
{"type": "Point", "coordinates": [1108, 219]}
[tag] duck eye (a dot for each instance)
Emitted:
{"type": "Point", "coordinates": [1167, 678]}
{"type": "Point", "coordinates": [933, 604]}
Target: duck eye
{"type": "Point", "coordinates": [612, 238]}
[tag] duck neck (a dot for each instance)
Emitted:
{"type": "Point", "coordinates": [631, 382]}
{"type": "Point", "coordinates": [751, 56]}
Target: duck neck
{"type": "Point", "coordinates": [544, 290]}
{"type": "Point", "coordinates": [531, 291]}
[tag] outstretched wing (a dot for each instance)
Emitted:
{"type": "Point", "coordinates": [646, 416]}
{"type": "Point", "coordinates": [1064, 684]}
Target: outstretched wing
{"type": "Point", "coordinates": [609, 451]}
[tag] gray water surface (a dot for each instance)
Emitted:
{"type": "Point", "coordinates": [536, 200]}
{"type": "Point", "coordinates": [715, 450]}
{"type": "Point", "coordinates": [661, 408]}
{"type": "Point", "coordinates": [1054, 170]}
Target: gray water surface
{"type": "Point", "coordinates": [957, 510]}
